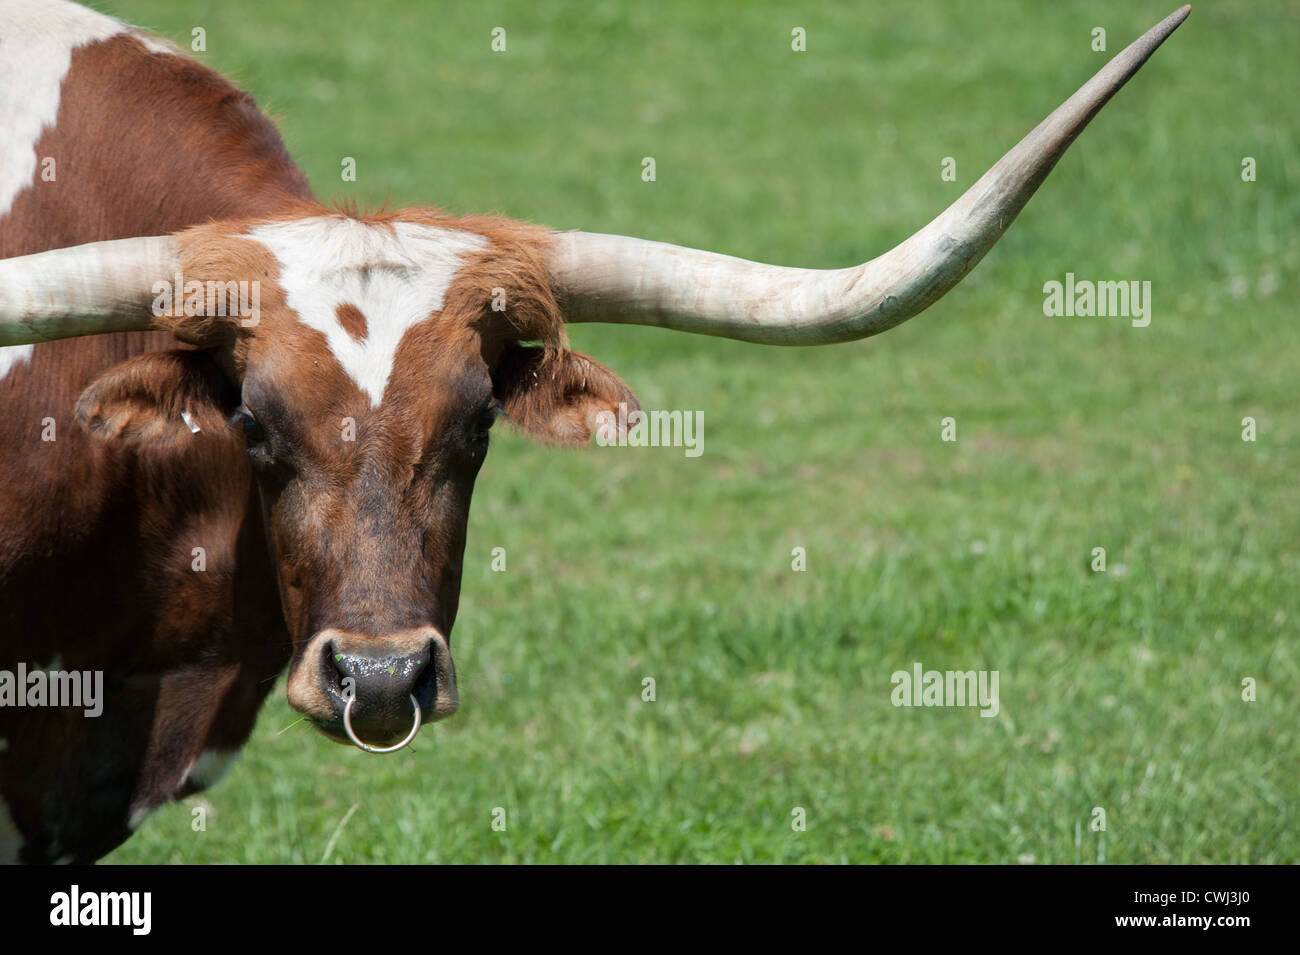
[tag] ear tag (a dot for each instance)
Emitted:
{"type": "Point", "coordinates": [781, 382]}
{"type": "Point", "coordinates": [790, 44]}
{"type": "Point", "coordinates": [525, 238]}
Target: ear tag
{"type": "Point", "coordinates": [190, 422]}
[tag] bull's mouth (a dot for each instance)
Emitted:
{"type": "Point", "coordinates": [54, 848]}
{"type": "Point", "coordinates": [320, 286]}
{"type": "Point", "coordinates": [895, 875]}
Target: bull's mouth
{"type": "Point", "coordinates": [342, 731]}
{"type": "Point", "coordinates": [374, 692]}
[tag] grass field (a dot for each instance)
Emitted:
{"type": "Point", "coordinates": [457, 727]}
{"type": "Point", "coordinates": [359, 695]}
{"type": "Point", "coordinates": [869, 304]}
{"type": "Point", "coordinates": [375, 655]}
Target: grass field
{"type": "Point", "coordinates": [1120, 690]}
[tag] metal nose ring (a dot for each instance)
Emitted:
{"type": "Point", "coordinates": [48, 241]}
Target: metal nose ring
{"type": "Point", "coordinates": [352, 735]}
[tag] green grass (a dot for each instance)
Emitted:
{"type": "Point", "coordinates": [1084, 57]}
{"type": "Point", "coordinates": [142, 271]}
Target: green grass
{"type": "Point", "coordinates": [1120, 690]}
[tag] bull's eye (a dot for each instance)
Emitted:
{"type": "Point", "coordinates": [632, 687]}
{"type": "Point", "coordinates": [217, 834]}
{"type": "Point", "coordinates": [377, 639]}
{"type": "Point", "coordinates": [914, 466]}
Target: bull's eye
{"type": "Point", "coordinates": [253, 431]}
{"type": "Point", "coordinates": [268, 460]}
{"type": "Point", "coordinates": [483, 424]}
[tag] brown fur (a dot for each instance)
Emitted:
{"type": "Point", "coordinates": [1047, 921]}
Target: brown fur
{"type": "Point", "coordinates": [353, 322]}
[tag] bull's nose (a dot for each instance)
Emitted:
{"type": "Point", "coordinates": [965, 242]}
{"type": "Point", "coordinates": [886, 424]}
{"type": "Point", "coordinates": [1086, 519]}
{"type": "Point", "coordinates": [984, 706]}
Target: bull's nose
{"type": "Point", "coordinates": [381, 687]}
{"type": "Point", "coordinates": [364, 688]}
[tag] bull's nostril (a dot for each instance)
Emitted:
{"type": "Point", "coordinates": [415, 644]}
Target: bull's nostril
{"type": "Point", "coordinates": [333, 672]}
{"type": "Point", "coordinates": [425, 686]}
{"type": "Point", "coordinates": [381, 684]}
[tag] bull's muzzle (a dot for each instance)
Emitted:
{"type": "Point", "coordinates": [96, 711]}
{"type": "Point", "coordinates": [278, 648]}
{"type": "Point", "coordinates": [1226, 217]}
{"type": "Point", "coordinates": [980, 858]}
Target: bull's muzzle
{"type": "Point", "coordinates": [374, 691]}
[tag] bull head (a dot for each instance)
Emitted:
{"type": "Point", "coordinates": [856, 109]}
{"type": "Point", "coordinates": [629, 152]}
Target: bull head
{"type": "Point", "coordinates": [383, 348]}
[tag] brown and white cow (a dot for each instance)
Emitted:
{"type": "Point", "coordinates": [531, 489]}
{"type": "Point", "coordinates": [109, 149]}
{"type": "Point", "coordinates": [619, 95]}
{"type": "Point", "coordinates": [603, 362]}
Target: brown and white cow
{"type": "Point", "coordinates": [321, 448]}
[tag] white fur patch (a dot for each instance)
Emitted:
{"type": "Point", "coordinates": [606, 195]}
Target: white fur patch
{"type": "Point", "coordinates": [11, 840]}
{"type": "Point", "coordinates": [211, 766]}
{"type": "Point", "coordinates": [156, 44]}
{"type": "Point", "coordinates": [397, 277]}
{"type": "Point", "coordinates": [139, 815]}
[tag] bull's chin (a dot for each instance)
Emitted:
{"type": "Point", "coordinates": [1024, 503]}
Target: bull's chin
{"type": "Point", "coordinates": [431, 711]}
{"type": "Point", "coordinates": [334, 730]}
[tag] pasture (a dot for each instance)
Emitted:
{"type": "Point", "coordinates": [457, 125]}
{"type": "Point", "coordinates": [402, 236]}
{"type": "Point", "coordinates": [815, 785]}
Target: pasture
{"type": "Point", "coordinates": [1120, 689]}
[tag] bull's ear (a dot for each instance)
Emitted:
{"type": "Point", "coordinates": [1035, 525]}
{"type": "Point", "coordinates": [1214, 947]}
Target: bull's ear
{"type": "Point", "coordinates": [160, 397]}
{"type": "Point", "coordinates": [555, 395]}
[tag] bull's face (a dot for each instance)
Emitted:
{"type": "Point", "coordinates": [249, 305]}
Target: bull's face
{"type": "Point", "coordinates": [366, 507]}
{"type": "Point", "coordinates": [379, 357]}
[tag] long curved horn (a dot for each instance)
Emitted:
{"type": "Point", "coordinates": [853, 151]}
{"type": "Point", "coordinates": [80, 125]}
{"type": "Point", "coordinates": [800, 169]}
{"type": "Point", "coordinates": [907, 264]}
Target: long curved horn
{"type": "Point", "coordinates": [84, 289]}
{"type": "Point", "coordinates": [612, 278]}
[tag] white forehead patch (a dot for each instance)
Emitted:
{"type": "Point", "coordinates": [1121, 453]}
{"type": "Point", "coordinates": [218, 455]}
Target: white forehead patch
{"type": "Point", "coordinates": [396, 277]}
{"type": "Point", "coordinates": [37, 38]}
